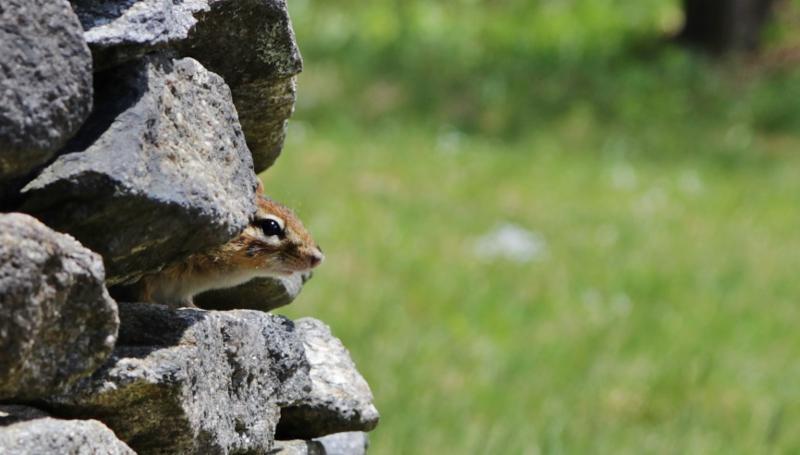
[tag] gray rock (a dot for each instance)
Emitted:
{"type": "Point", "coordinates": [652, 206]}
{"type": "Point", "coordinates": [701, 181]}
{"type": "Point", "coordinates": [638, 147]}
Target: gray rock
{"type": "Point", "coordinates": [298, 447]}
{"type": "Point", "coordinates": [340, 399]}
{"type": "Point", "coordinates": [64, 323]}
{"type": "Point", "coordinates": [260, 74]}
{"type": "Point", "coordinates": [45, 84]}
{"type": "Point", "coordinates": [264, 110]}
{"type": "Point", "coordinates": [28, 431]}
{"type": "Point", "coordinates": [126, 29]}
{"type": "Point", "coordinates": [163, 170]}
{"type": "Point", "coordinates": [264, 294]}
{"type": "Point", "coordinates": [194, 381]}
{"type": "Point", "coordinates": [348, 443]}
{"type": "Point", "coordinates": [219, 33]}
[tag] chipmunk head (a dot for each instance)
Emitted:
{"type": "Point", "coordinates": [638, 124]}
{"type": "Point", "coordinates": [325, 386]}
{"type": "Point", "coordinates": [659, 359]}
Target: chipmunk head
{"type": "Point", "coordinates": [276, 243]}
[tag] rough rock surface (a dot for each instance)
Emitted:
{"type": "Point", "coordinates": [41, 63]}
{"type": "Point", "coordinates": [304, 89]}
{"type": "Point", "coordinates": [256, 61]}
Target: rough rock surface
{"type": "Point", "coordinates": [123, 30]}
{"type": "Point", "coordinates": [264, 294]}
{"type": "Point", "coordinates": [190, 98]}
{"type": "Point", "coordinates": [298, 447]}
{"type": "Point", "coordinates": [45, 84]}
{"type": "Point", "coordinates": [64, 323]}
{"type": "Point", "coordinates": [348, 443]}
{"type": "Point", "coordinates": [262, 77]}
{"type": "Point", "coordinates": [340, 399]}
{"type": "Point", "coordinates": [194, 381]}
{"type": "Point", "coordinates": [162, 169]}
{"type": "Point", "coordinates": [29, 431]}
{"type": "Point", "coordinates": [264, 110]}
{"type": "Point", "coordinates": [260, 72]}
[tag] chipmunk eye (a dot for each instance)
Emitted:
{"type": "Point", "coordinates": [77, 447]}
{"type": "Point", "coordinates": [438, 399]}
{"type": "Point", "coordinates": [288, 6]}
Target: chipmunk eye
{"type": "Point", "coordinates": [271, 227]}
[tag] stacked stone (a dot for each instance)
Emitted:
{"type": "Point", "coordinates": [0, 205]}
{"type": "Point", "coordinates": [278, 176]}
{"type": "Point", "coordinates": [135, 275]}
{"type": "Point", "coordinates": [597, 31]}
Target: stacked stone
{"type": "Point", "coordinates": [131, 132]}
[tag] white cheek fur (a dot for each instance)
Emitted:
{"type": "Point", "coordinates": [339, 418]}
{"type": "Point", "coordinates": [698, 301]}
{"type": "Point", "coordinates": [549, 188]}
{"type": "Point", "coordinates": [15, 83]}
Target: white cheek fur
{"type": "Point", "coordinates": [272, 240]}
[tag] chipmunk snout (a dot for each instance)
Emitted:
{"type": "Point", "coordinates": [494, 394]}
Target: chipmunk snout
{"type": "Point", "coordinates": [315, 257]}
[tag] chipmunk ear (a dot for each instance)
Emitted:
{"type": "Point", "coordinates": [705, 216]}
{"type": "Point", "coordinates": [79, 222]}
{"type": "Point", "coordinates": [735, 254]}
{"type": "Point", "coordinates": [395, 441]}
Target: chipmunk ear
{"type": "Point", "coordinates": [260, 188]}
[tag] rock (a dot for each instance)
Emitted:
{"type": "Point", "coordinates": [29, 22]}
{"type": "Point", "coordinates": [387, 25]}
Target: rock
{"type": "Point", "coordinates": [340, 399]}
{"type": "Point", "coordinates": [264, 294]}
{"type": "Point", "coordinates": [298, 447]}
{"type": "Point", "coordinates": [194, 381]}
{"type": "Point", "coordinates": [262, 77]}
{"type": "Point", "coordinates": [64, 323]}
{"type": "Point", "coordinates": [28, 431]}
{"type": "Point", "coordinates": [348, 443]}
{"type": "Point", "coordinates": [264, 110]}
{"type": "Point", "coordinates": [260, 73]}
{"type": "Point", "coordinates": [218, 36]}
{"type": "Point", "coordinates": [45, 84]}
{"type": "Point", "coordinates": [123, 30]}
{"type": "Point", "coordinates": [161, 169]}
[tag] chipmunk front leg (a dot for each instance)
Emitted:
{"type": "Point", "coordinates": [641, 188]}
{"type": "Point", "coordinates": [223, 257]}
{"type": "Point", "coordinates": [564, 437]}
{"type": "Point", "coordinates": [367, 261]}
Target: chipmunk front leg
{"type": "Point", "coordinates": [187, 302]}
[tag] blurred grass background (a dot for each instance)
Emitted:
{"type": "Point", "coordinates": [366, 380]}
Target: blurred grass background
{"type": "Point", "coordinates": [661, 314]}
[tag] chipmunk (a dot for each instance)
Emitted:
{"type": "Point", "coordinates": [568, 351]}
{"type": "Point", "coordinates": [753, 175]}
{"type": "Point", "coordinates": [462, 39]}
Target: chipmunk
{"type": "Point", "coordinates": [274, 244]}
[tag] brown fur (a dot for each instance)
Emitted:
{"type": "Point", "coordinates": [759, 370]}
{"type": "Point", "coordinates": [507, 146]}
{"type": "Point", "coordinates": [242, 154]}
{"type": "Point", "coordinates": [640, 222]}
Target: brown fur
{"type": "Point", "coordinates": [251, 254]}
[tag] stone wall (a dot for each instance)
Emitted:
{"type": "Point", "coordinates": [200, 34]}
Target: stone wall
{"type": "Point", "coordinates": [131, 132]}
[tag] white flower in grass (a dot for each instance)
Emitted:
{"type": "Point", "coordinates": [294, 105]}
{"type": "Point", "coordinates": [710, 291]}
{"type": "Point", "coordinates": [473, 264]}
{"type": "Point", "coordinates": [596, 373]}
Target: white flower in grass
{"type": "Point", "coordinates": [624, 177]}
{"type": "Point", "coordinates": [511, 242]}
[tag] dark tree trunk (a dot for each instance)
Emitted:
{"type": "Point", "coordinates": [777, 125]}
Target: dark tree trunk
{"type": "Point", "coordinates": [724, 25]}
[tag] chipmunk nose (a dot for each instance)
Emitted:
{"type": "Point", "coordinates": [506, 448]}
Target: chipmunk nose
{"type": "Point", "coordinates": [315, 257]}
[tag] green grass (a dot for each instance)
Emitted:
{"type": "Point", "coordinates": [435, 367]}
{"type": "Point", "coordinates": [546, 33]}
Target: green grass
{"type": "Point", "coordinates": [662, 319]}
{"type": "Point", "coordinates": [663, 316]}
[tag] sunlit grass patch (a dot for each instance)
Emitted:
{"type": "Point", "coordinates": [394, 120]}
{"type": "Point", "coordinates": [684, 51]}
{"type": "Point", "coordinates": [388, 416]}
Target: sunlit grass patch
{"type": "Point", "coordinates": [660, 318]}
{"type": "Point", "coordinates": [654, 310]}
